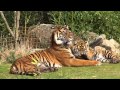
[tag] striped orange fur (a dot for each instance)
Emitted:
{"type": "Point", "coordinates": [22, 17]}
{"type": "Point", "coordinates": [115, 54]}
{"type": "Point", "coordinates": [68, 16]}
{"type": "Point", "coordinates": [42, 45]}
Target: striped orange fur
{"type": "Point", "coordinates": [58, 55]}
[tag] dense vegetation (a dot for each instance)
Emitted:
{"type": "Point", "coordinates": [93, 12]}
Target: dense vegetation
{"type": "Point", "coordinates": [100, 22]}
{"type": "Point", "coordinates": [107, 22]}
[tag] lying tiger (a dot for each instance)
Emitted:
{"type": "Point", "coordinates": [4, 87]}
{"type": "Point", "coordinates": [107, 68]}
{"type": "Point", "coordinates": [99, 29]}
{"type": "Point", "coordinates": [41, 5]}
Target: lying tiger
{"type": "Point", "coordinates": [81, 49]}
{"type": "Point", "coordinates": [104, 55]}
{"type": "Point", "coordinates": [58, 55]}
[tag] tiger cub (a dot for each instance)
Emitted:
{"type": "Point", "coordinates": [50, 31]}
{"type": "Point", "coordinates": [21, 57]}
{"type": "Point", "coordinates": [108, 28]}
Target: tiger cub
{"type": "Point", "coordinates": [103, 55]}
{"type": "Point", "coordinates": [81, 48]}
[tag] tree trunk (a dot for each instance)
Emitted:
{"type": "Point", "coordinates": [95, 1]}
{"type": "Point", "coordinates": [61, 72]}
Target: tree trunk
{"type": "Point", "coordinates": [16, 25]}
{"type": "Point", "coordinates": [14, 33]}
{"type": "Point", "coordinates": [6, 23]}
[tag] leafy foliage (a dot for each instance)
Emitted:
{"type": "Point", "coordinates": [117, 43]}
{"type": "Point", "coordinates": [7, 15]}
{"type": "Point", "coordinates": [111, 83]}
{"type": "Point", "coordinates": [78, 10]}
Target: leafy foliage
{"type": "Point", "coordinates": [12, 57]}
{"type": "Point", "coordinates": [100, 22]}
{"type": "Point", "coordinates": [27, 17]}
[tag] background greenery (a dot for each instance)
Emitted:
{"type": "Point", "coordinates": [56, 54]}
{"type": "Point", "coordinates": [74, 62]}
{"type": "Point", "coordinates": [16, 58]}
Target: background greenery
{"type": "Point", "coordinates": [107, 22]}
{"type": "Point", "coordinates": [100, 22]}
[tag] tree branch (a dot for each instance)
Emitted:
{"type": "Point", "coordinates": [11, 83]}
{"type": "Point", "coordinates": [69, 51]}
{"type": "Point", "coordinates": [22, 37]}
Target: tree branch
{"type": "Point", "coordinates": [6, 23]}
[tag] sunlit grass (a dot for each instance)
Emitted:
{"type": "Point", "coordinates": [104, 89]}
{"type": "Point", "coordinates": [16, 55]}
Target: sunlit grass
{"type": "Point", "coordinates": [105, 71]}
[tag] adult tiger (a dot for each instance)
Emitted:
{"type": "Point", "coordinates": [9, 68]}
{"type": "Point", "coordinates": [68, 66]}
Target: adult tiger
{"type": "Point", "coordinates": [81, 49]}
{"type": "Point", "coordinates": [58, 55]}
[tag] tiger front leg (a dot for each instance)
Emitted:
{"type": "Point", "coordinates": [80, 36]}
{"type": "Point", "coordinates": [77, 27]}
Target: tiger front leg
{"type": "Point", "coordinates": [80, 62]}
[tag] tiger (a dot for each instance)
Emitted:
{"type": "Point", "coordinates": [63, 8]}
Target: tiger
{"type": "Point", "coordinates": [56, 56]}
{"type": "Point", "coordinates": [81, 48]}
{"type": "Point", "coordinates": [104, 55]}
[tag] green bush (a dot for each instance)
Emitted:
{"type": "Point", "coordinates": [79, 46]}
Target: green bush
{"type": "Point", "coordinates": [100, 22]}
{"type": "Point", "coordinates": [12, 57]}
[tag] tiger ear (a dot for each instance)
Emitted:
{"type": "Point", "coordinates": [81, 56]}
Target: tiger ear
{"type": "Point", "coordinates": [66, 26]}
{"type": "Point", "coordinates": [86, 42]}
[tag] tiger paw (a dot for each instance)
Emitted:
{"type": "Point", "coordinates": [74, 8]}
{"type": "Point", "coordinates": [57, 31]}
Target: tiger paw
{"type": "Point", "coordinates": [99, 63]}
{"type": "Point", "coordinates": [114, 61]}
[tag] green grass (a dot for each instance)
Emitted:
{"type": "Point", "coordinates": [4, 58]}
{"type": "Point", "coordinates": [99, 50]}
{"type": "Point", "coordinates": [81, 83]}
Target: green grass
{"type": "Point", "coordinates": [105, 71]}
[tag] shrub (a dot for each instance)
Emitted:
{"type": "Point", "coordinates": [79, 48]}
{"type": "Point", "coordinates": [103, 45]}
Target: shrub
{"type": "Point", "coordinates": [100, 22]}
{"type": "Point", "coordinates": [11, 55]}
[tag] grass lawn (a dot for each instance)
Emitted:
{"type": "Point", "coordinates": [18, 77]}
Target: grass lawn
{"type": "Point", "coordinates": [105, 71]}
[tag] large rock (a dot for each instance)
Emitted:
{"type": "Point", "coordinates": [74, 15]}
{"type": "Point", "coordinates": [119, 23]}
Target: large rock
{"type": "Point", "coordinates": [103, 36]}
{"type": "Point", "coordinates": [115, 43]}
{"type": "Point", "coordinates": [91, 36]}
{"type": "Point", "coordinates": [97, 42]}
{"type": "Point", "coordinates": [39, 36]}
{"type": "Point", "coordinates": [107, 44]}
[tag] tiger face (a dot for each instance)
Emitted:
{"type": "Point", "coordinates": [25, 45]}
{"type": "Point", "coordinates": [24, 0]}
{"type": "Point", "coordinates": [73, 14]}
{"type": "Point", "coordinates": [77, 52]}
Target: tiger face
{"type": "Point", "coordinates": [80, 47]}
{"type": "Point", "coordinates": [99, 54]}
{"type": "Point", "coordinates": [62, 35]}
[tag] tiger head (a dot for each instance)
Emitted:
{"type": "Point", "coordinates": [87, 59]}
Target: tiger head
{"type": "Point", "coordinates": [99, 53]}
{"type": "Point", "coordinates": [80, 47]}
{"type": "Point", "coordinates": [62, 36]}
